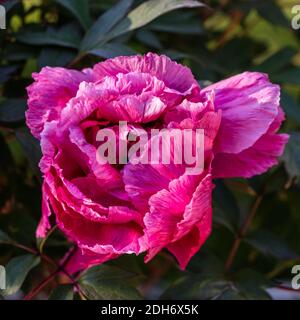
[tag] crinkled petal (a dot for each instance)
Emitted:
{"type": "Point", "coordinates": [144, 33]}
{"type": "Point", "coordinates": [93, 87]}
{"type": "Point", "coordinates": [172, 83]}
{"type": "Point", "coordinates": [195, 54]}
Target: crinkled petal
{"type": "Point", "coordinates": [49, 94]}
{"type": "Point", "coordinates": [174, 75]}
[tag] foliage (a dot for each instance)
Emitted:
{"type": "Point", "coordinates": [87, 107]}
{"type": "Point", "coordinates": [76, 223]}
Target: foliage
{"type": "Point", "coordinates": [256, 231]}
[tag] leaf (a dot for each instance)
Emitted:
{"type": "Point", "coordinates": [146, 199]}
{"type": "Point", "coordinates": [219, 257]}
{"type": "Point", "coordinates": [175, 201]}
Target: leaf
{"type": "Point", "coordinates": [149, 38]}
{"type": "Point", "coordinates": [55, 57]}
{"type": "Point", "coordinates": [62, 292]}
{"type": "Point", "coordinates": [147, 12]}
{"type": "Point", "coordinates": [80, 9]}
{"type": "Point", "coordinates": [291, 155]}
{"type": "Point", "coordinates": [226, 210]}
{"type": "Point", "coordinates": [8, 5]}
{"type": "Point", "coordinates": [66, 36]}
{"type": "Point", "coordinates": [291, 76]}
{"type": "Point", "coordinates": [277, 61]}
{"type": "Point", "coordinates": [196, 287]}
{"type": "Point", "coordinates": [21, 224]}
{"type": "Point", "coordinates": [4, 238]}
{"type": "Point", "coordinates": [12, 111]}
{"type": "Point", "coordinates": [17, 270]}
{"type": "Point", "coordinates": [31, 147]}
{"type": "Point", "coordinates": [270, 11]}
{"type": "Point", "coordinates": [179, 22]}
{"type": "Point", "coordinates": [18, 52]}
{"type": "Point", "coordinates": [206, 263]}
{"type": "Point", "coordinates": [230, 293]}
{"type": "Point", "coordinates": [251, 284]}
{"type": "Point", "coordinates": [104, 24]}
{"type": "Point", "coordinates": [230, 49]}
{"type": "Point", "coordinates": [290, 106]}
{"type": "Point", "coordinates": [111, 50]}
{"type": "Point", "coordinates": [5, 73]}
{"type": "Point", "coordinates": [271, 245]}
{"type": "Point", "coordinates": [40, 242]}
{"type": "Point", "coordinates": [107, 282]}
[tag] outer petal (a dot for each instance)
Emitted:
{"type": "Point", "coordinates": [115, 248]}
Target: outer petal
{"type": "Point", "coordinates": [44, 224]}
{"type": "Point", "coordinates": [252, 161]}
{"type": "Point", "coordinates": [175, 216]}
{"type": "Point", "coordinates": [81, 260]}
{"type": "Point", "coordinates": [49, 94]}
{"type": "Point", "coordinates": [249, 104]}
{"type": "Point", "coordinates": [186, 247]}
{"type": "Point", "coordinates": [257, 159]}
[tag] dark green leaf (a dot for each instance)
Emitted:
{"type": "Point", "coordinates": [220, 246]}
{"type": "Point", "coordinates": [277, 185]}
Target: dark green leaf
{"type": "Point", "coordinates": [5, 73]}
{"type": "Point", "coordinates": [277, 61]}
{"type": "Point", "coordinates": [147, 12]}
{"type": "Point", "coordinates": [206, 263]}
{"type": "Point", "coordinates": [54, 57]}
{"type": "Point", "coordinates": [179, 22]}
{"type": "Point", "coordinates": [18, 52]}
{"type": "Point", "coordinates": [4, 238]}
{"type": "Point", "coordinates": [107, 282]}
{"type": "Point", "coordinates": [67, 37]}
{"type": "Point", "coordinates": [196, 287]}
{"type": "Point", "coordinates": [9, 4]}
{"type": "Point", "coordinates": [104, 24]}
{"type": "Point", "coordinates": [291, 155]}
{"type": "Point", "coordinates": [149, 38]}
{"type": "Point", "coordinates": [12, 111]}
{"type": "Point", "coordinates": [269, 10]}
{"type": "Point", "coordinates": [226, 211]}
{"type": "Point", "coordinates": [111, 50]}
{"type": "Point", "coordinates": [290, 106]}
{"type": "Point", "coordinates": [62, 292]}
{"type": "Point", "coordinates": [252, 284]}
{"type": "Point", "coordinates": [271, 245]}
{"type": "Point", "coordinates": [80, 9]}
{"type": "Point", "coordinates": [230, 293]}
{"type": "Point", "coordinates": [31, 147]}
{"type": "Point", "coordinates": [290, 76]}
{"type": "Point", "coordinates": [17, 270]}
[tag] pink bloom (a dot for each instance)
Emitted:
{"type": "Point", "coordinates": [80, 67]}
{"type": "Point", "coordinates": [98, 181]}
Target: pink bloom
{"type": "Point", "coordinates": [109, 210]}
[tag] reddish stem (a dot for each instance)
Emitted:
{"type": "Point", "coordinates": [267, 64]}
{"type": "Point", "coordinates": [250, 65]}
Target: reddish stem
{"type": "Point", "coordinates": [241, 234]}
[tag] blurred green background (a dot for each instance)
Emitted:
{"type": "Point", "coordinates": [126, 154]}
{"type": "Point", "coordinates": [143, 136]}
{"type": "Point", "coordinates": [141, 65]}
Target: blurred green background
{"type": "Point", "coordinates": [256, 234]}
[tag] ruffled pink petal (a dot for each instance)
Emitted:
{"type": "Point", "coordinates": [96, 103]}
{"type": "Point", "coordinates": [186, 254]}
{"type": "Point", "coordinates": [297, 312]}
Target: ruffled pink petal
{"type": "Point", "coordinates": [249, 104]}
{"type": "Point", "coordinates": [175, 76]}
{"type": "Point", "coordinates": [144, 180]}
{"type": "Point", "coordinates": [49, 94]}
{"type": "Point", "coordinates": [112, 236]}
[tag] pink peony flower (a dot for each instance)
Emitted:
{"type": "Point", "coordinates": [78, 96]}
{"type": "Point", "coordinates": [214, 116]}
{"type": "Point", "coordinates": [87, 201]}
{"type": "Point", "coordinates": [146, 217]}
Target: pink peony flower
{"type": "Point", "coordinates": [114, 209]}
